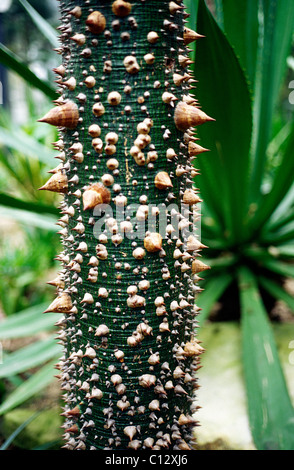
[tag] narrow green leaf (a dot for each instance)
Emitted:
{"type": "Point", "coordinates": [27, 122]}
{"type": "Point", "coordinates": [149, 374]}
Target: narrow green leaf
{"type": "Point", "coordinates": [284, 234]}
{"type": "Point", "coordinates": [30, 356]}
{"type": "Point", "coordinates": [283, 180]}
{"type": "Point", "coordinates": [20, 428]}
{"type": "Point", "coordinates": [223, 261]}
{"type": "Point", "coordinates": [28, 322]}
{"type": "Point", "coordinates": [223, 92]}
{"type": "Point", "coordinates": [269, 258]}
{"type": "Point", "coordinates": [275, 38]}
{"type": "Point", "coordinates": [241, 26]}
{"type": "Point", "coordinates": [283, 251]}
{"type": "Point", "coordinates": [210, 228]}
{"type": "Point", "coordinates": [43, 25]}
{"type": "Point", "coordinates": [285, 220]}
{"type": "Point", "coordinates": [213, 242]}
{"type": "Point", "coordinates": [29, 388]}
{"type": "Point", "coordinates": [48, 445]}
{"type": "Point", "coordinates": [9, 201]}
{"type": "Point", "coordinates": [277, 291]}
{"type": "Point", "coordinates": [191, 8]}
{"type": "Point", "coordinates": [21, 142]}
{"type": "Point", "coordinates": [277, 142]}
{"type": "Point", "coordinates": [219, 13]}
{"type": "Point", "coordinates": [279, 267]}
{"type": "Point", "coordinates": [44, 222]}
{"type": "Point", "coordinates": [270, 252]}
{"type": "Point", "coordinates": [213, 290]}
{"type": "Point", "coordinates": [11, 61]}
{"type": "Point", "coordinates": [271, 413]}
{"type": "Point", "coordinates": [286, 205]}
{"type": "Point", "coordinates": [257, 253]}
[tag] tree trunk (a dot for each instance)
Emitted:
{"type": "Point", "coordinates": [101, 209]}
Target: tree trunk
{"type": "Point", "coordinates": [129, 267]}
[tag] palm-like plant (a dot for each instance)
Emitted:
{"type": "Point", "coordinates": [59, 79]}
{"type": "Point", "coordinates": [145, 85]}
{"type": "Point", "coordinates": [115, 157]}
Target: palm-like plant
{"type": "Point", "coordinates": [247, 188]}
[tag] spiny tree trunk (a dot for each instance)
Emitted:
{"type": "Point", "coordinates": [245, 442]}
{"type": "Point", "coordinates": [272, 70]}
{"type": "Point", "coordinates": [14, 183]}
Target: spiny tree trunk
{"type": "Point", "coordinates": [126, 118]}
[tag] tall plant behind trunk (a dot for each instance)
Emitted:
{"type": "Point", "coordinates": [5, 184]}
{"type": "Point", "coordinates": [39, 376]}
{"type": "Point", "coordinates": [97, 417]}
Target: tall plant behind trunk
{"type": "Point", "coordinates": [126, 288]}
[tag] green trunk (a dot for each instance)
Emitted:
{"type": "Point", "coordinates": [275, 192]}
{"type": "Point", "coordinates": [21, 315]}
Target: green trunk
{"type": "Point", "coordinates": [127, 296]}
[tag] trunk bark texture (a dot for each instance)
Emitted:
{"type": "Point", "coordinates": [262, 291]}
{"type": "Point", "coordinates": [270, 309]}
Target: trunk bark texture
{"type": "Point", "coordinates": [130, 263]}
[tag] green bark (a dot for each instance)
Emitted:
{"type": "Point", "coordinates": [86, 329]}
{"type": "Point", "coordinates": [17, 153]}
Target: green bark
{"type": "Point", "coordinates": [129, 319]}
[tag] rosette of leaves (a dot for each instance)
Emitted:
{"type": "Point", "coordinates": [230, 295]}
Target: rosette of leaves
{"type": "Point", "coordinates": [247, 187]}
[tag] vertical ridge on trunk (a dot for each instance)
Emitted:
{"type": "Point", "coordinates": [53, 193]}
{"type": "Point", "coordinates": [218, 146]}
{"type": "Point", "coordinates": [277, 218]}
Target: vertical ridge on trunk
{"type": "Point", "coordinates": [126, 287]}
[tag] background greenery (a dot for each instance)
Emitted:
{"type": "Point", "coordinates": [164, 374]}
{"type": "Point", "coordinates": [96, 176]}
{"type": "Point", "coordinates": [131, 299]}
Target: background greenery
{"type": "Point", "coordinates": [244, 70]}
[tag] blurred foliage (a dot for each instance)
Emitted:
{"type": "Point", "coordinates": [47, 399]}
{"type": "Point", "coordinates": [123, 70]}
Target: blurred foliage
{"type": "Point", "coordinates": [24, 269]}
{"type": "Point", "coordinates": [29, 243]}
{"type": "Point", "coordinates": [15, 24]}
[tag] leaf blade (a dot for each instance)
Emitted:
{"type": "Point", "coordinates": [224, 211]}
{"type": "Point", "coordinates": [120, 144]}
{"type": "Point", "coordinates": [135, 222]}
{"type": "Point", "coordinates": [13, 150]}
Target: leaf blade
{"type": "Point", "coordinates": [271, 413]}
{"type": "Point", "coordinates": [29, 388]}
{"type": "Point", "coordinates": [43, 25]}
{"type": "Point", "coordinates": [20, 428]}
{"type": "Point", "coordinates": [276, 30]}
{"type": "Point", "coordinates": [28, 322]}
{"type": "Point", "coordinates": [26, 145]}
{"type": "Point", "coordinates": [224, 170]}
{"type": "Point", "coordinates": [29, 356]}
{"type": "Point", "coordinates": [241, 26]}
{"type": "Point", "coordinates": [42, 222]}
{"type": "Point", "coordinates": [283, 180]}
{"type": "Point", "coordinates": [277, 291]}
{"type": "Point", "coordinates": [214, 288]}
{"type": "Point", "coordinates": [11, 61]}
{"type": "Point", "coordinates": [15, 203]}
